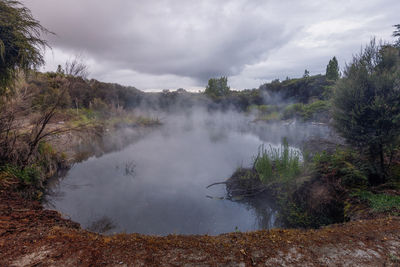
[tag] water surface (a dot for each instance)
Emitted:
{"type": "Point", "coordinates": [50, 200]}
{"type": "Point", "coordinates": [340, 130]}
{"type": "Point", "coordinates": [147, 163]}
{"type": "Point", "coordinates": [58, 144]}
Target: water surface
{"type": "Point", "coordinates": [157, 185]}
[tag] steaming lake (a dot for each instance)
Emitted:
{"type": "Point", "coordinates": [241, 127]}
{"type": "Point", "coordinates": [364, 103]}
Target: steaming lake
{"type": "Point", "coordinates": [157, 185]}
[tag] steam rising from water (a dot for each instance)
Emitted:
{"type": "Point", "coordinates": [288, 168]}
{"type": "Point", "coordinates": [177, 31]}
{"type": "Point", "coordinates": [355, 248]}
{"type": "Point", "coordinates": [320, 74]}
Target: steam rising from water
{"type": "Point", "coordinates": [157, 184]}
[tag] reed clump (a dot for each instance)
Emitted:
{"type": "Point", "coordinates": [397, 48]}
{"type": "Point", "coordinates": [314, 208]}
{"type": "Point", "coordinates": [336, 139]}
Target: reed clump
{"type": "Point", "coordinates": [277, 164]}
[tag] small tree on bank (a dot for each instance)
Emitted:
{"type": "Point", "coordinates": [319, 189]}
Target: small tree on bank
{"type": "Point", "coordinates": [217, 87]}
{"type": "Point", "coordinates": [367, 105]}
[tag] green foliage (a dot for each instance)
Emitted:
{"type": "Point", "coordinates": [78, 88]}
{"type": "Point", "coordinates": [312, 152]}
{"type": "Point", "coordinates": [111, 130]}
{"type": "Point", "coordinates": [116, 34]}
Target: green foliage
{"type": "Point", "coordinates": [294, 215]}
{"type": "Point", "coordinates": [314, 109]}
{"type": "Point", "coordinates": [380, 202]}
{"type": "Point", "coordinates": [272, 116]}
{"type": "Point", "coordinates": [299, 90]}
{"type": "Point", "coordinates": [83, 116]}
{"type": "Point", "coordinates": [21, 46]}
{"type": "Point", "coordinates": [50, 95]}
{"type": "Point", "coordinates": [293, 110]}
{"type": "Point", "coordinates": [28, 175]}
{"type": "Point", "coordinates": [265, 112]}
{"type": "Point", "coordinates": [217, 87]}
{"type": "Point", "coordinates": [328, 92]}
{"type": "Point", "coordinates": [367, 104]}
{"type": "Point", "coordinates": [317, 109]}
{"type": "Point", "coordinates": [274, 164]}
{"type": "Point", "coordinates": [99, 105]}
{"type": "Point", "coordinates": [332, 70]}
{"type": "Point", "coordinates": [45, 148]}
{"type": "Point", "coordinates": [344, 166]}
{"type": "Point", "coordinates": [263, 109]}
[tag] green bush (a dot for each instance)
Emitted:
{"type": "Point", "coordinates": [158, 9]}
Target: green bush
{"type": "Point", "coordinates": [343, 165]}
{"type": "Point", "coordinates": [315, 109]}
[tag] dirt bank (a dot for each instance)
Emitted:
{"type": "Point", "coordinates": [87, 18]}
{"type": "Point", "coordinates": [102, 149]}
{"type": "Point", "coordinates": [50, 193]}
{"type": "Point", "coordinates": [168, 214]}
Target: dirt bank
{"type": "Point", "coordinates": [31, 236]}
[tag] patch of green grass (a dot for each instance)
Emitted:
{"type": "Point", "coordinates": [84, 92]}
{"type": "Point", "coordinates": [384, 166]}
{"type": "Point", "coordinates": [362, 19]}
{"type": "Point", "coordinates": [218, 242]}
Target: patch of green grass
{"type": "Point", "coordinates": [83, 116]}
{"type": "Point", "coordinates": [273, 116]}
{"type": "Point", "coordinates": [46, 148]}
{"type": "Point", "coordinates": [293, 110]}
{"type": "Point", "coordinates": [379, 202]}
{"type": "Point", "coordinates": [274, 164]}
{"type": "Point", "coordinates": [131, 119]}
{"type": "Point", "coordinates": [29, 175]}
{"type": "Point", "coordinates": [145, 121]}
{"type": "Point", "coordinates": [306, 111]}
{"type": "Point", "coordinates": [263, 108]}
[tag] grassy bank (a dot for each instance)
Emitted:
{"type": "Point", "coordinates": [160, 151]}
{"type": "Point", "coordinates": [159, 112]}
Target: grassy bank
{"type": "Point", "coordinates": [324, 189]}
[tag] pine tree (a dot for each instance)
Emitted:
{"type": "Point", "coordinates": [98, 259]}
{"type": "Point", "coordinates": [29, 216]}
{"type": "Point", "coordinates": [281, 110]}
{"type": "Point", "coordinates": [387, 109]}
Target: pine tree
{"type": "Point", "coordinates": [332, 70]}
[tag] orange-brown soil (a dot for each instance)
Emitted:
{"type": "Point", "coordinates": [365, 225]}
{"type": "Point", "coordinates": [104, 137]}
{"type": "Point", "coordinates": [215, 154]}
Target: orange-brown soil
{"type": "Point", "coordinates": [31, 236]}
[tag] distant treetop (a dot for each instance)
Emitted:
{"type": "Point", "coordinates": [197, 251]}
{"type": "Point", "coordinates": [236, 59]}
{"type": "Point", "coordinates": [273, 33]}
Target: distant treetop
{"type": "Point", "coordinates": [217, 87]}
{"type": "Point", "coordinates": [396, 33]}
{"type": "Point", "coordinates": [332, 70]}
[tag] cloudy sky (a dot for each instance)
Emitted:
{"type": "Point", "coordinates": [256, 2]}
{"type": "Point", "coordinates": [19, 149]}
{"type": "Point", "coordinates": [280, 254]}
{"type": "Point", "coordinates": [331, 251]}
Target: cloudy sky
{"type": "Point", "coordinates": [168, 44]}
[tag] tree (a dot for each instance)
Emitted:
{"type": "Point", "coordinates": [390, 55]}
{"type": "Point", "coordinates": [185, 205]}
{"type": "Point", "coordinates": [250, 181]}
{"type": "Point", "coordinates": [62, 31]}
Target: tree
{"type": "Point", "coordinates": [332, 70]}
{"type": "Point", "coordinates": [217, 87]}
{"type": "Point", "coordinates": [367, 105]}
{"type": "Point", "coordinates": [76, 67]}
{"type": "Point", "coordinates": [60, 70]}
{"type": "Point", "coordinates": [21, 45]}
{"type": "Point", "coordinates": [396, 33]}
{"type": "Point", "coordinates": [306, 74]}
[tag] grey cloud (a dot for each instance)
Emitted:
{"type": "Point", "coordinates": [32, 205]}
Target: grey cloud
{"type": "Point", "coordinates": [198, 39]}
{"type": "Point", "coordinates": [245, 39]}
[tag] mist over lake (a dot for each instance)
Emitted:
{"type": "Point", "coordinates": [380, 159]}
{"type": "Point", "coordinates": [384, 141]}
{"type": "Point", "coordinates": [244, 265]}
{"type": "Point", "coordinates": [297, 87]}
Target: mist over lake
{"type": "Point", "coordinates": [157, 185]}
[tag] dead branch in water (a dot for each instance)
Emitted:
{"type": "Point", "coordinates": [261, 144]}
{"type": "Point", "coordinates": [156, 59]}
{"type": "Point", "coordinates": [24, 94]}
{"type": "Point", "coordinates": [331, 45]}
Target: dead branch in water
{"type": "Point", "coordinates": [225, 182]}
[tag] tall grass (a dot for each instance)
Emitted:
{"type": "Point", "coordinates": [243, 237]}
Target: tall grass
{"type": "Point", "coordinates": [273, 164]}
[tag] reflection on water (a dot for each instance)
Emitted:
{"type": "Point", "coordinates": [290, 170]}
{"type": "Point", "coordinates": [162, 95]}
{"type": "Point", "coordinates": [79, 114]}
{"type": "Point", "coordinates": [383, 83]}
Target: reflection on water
{"type": "Point", "coordinates": [158, 184]}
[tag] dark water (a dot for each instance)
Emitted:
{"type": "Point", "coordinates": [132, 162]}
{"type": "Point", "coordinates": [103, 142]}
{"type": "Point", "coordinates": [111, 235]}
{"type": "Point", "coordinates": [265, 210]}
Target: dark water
{"type": "Point", "coordinates": [157, 185]}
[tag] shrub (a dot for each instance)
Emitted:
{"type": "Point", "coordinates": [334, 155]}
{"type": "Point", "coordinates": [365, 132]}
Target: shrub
{"type": "Point", "coordinates": [366, 105]}
{"type": "Point", "coordinates": [344, 166]}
